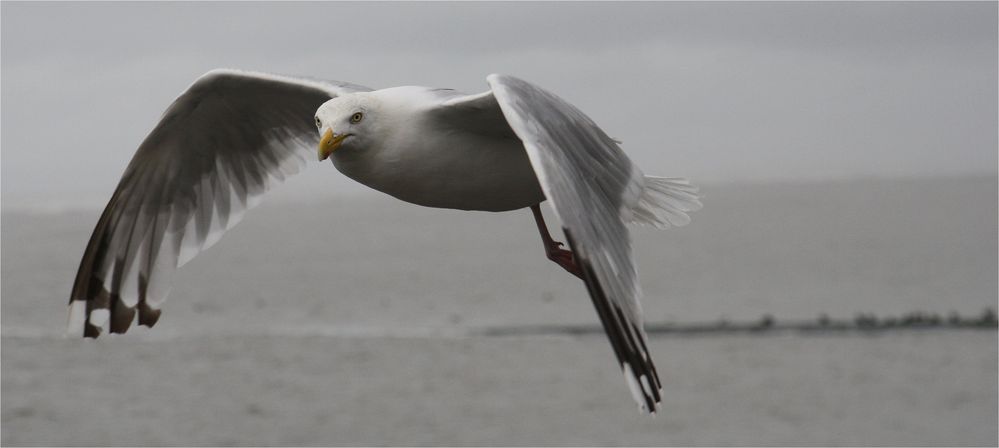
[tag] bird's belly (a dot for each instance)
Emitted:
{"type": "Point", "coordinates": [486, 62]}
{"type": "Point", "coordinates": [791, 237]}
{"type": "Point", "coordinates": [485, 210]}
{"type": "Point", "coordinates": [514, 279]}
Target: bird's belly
{"type": "Point", "coordinates": [467, 174]}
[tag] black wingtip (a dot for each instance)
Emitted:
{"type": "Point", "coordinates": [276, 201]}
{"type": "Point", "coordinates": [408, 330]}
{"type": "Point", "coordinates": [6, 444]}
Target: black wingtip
{"type": "Point", "coordinates": [121, 317]}
{"type": "Point", "coordinates": [625, 338]}
{"type": "Point", "coordinates": [147, 314]}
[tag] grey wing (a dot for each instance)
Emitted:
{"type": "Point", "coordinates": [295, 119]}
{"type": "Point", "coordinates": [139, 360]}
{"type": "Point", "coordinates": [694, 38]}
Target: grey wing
{"type": "Point", "coordinates": [590, 182]}
{"type": "Point", "coordinates": [220, 145]}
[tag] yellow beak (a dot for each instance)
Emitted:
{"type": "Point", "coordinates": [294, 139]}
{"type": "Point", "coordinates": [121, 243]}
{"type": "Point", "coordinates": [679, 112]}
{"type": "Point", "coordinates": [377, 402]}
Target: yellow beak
{"type": "Point", "coordinates": [329, 143]}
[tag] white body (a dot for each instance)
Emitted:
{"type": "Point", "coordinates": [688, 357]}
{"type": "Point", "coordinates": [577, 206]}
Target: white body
{"type": "Point", "coordinates": [448, 168]}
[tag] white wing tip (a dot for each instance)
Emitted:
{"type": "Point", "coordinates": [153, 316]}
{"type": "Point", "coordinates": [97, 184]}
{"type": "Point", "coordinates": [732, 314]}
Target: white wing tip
{"type": "Point", "coordinates": [640, 391]}
{"type": "Point", "coordinates": [99, 317]}
{"type": "Point", "coordinates": [636, 390]}
{"type": "Point", "coordinates": [77, 318]}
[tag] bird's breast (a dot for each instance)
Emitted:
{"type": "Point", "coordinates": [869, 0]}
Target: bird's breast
{"type": "Point", "coordinates": [448, 170]}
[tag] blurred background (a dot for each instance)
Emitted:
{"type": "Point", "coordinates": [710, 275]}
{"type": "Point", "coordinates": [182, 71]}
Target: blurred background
{"type": "Point", "coordinates": [847, 154]}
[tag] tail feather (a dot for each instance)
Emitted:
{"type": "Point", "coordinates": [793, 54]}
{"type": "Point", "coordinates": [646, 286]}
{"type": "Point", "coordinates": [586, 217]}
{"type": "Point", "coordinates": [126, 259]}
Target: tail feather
{"type": "Point", "coordinates": [666, 202]}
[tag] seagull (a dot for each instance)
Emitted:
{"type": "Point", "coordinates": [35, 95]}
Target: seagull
{"type": "Point", "coordinates": [234, 134]}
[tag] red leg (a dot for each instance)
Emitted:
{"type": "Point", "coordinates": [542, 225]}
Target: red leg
{"type": "Point", "coordinates": [553, 249]}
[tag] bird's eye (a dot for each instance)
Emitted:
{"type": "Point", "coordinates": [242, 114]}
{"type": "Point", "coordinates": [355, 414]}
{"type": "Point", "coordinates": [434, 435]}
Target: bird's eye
{"type": "Point", "coordinates": [319, 123]}
{"type": "Point", "coordinates": [356, 117]}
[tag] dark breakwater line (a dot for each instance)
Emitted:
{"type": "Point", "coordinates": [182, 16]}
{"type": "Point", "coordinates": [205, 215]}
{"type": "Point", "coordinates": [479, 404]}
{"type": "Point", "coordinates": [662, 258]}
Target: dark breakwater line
{"type": "Point", "coordinates": [767, 325]}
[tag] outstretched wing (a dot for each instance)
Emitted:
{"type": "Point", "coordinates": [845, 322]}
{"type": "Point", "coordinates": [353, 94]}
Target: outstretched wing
{"type": "Point", "coordinates": [590, 183]}
{"type": "Point", "coordinates": [221, 144]}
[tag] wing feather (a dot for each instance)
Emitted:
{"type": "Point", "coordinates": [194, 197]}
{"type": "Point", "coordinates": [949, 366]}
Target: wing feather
{"type": "Point", "coordinates": [220, 145]}
{"type": "Point", "coordinates": [589, 181]}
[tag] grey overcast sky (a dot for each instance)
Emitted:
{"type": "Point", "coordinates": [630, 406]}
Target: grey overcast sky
{"type": "Point", "coordinates": [718, 92]}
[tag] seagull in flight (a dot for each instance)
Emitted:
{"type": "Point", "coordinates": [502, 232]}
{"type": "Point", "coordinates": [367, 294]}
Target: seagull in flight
{"type": "Point", "coordinates": [233, 134]}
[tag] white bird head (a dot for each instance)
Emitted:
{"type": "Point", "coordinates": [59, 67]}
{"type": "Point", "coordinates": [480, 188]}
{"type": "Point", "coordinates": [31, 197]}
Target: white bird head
{"type": "Point", "coordinates": [342, 123]}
